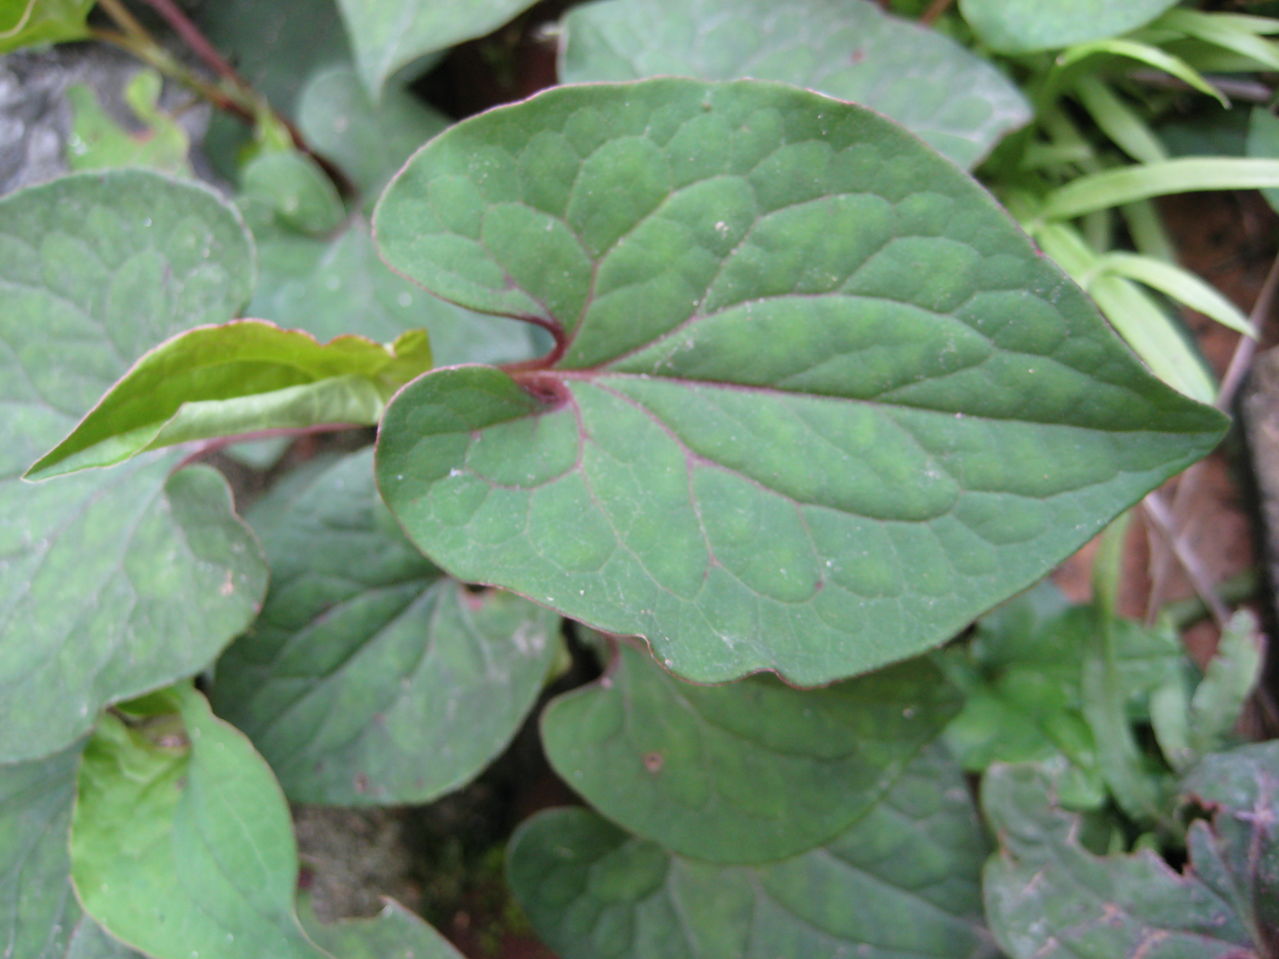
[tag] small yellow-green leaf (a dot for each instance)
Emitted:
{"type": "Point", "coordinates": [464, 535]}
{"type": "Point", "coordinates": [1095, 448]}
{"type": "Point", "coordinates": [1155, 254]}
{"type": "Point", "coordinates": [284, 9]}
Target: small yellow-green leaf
{"type": "Point", "coordinates": [25, 23]}
{"type": "Point", "coordinates": [98, 142]}
{"type": "Point", "coordinates": [181, 842]}
{"type": "Point", "coordinates": [239, 377]}
{"type": "Point", "coordinates": [1140, 182]}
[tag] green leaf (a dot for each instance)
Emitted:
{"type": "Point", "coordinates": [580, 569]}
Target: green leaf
{"type": "Point", "coordinates": [181, 842]}
{"type": "Point", "coordinates": [26, 23]}
{"type": "Point", "coordinates": [112, 584]}
{"type": "Point", "coordinates": [37, 908]}
{"type": "Point", "coordinates": [369, 677]}
{"type": "Point", "coordinates": [743, 773]}
{"type": "Point", "coordinates": [1047, 896]}
{"type": "Point", "coordinates": [848, 49]}
{"type": "Point", "coordinates": [368, 140]}
{"type": "Point", "coordinates": [1022, 673]}
{"type": "Point", "coordinates": [818, 402]}
{"type": "Point", "coordinates": [1145, 53]}
{"type": "Point", "coordinates": [338, 286]}
{"type": "Point", "coordinates": [1231, 676]}
{"type": "Point", "coordinates": [1098, 191]}
{"type": "Point", "coordinates": [98, 142]}
{"type": "Point", "coordinates": [39, 915]}
{"type": "Point", "coordinates": [1263, 143]}
{"type": "Point", "coordinates": [1180, 284]}
{"type": "Point", "coordinates": [902, 882]}
{"type": "Point", "coordinates": [237, 378]}
{"type": "Point", "coordinates": [394, 933]}
{"type": "Point", "coordinates": [290, 188]}
{"type": "Point", "coordinates": [1022, 26]}
{"type": "Point", "coordinates": [389, 34]}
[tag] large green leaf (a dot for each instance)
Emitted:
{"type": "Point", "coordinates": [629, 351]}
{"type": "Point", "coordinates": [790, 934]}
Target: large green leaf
{"type": "Point", "coordinates": [816, 403]}
{"type": "Point", "coordinates": [901, 883]}
{"type": "Point", "coordinates": [369, 676]}
{"type": "Point", "coordinates": [39, 915]}
{"type": "Point", "coordinates": [389, 34]}
{"type": "Point", "coordinates": [181, 842]}
{"type": "Point", "coordinates": [332, 287]}
{"type": "Point", "coordinates": [112, 584]}
{"type": "Point", "coordinates": [748, 772]}
{"type": "Point", "coordinates": [37, 908]}
{"type": "Point", "coordinates": [1021, 26]}
{"type": "Point", "coordinates": [236, 378]}
{"type": "Point", "coordinates": [848, 49]}
{"type": "Point", "coordinates": [25, 23]}
{"type": "Point", "coordinates": [1048, 896]}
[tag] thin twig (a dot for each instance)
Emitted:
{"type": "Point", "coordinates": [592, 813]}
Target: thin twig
{"type": "Point", "coordinates": [934, 11]}
{"type": "Point", "coordinates": [1192, 480]}
{"type": "Point", "coordinates": [197, 42]}
{"type": "Point", "coordinates": [1247, 90]}
{"type": "Point", "coordinates": [1161, 519]}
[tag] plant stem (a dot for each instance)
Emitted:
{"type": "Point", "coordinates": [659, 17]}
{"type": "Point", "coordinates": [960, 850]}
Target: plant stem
{"type": "Point", "coordinates": [1104, 703]}
{"type": "Point", "coordinates": [1192, 480]}
{"type": "Point", "coordinates": [934, 11]}
{"type": "Point", "coordinates": [236, 96]}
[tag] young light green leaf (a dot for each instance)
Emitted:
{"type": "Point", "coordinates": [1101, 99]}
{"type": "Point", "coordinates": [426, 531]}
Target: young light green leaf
{"type": "Point", "coordinates": [240, 377]}
{"type": "Point", "coordinates": [901, 883]}
{"type": "Point", "coordinates": [394, 933]}
{"type": "Point", "coordinates": [1152, 56]}
{"type": "Point", "coordinates": [1146, 327]}
{"type": "Point", "coordinates": [181, 842]}
{"type": "Point", "coordinates": [370, 677]}
{"type": "Point", "coordinates": [1263, 143]}
{"type": "Point", "coordinates": [1181, 285]}
{"type": "Point", "coordinates": [27, 23]}
{"type": "Point", "coordinates": [817, 402]}
{"type": "Point", "coordinates": [1186, 175]}
{"type": "Point", "coordinates": [743, 773]}
{"type": "Point", "coordinates": [389, 34]}
{"type": "Point", "coordinates": [368, 139]}
{"type": "Point", "coordinates": [1117, 120]}
{"type": "Point", "coordinates": [339, 286]}
{"type": "Point", "coordinates": [1047, 896]}
{"type": "Point", "coordinates": [98, 142]}
{"type": "Point", "coordinates": [1238, 34]}
{"type": "Point", "coordinates": [1023, 26]}
{"type": "Point", "coordinates": [113, 584]}
{"type": "Point", "coordinates": [849, 49]}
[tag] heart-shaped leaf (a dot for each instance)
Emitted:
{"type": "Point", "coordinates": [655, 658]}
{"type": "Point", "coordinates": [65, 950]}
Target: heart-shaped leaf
{"type": "Point", "coordinates": [25, 23]}
{"type": "Point", "coordinates": [237, 378]}
{"type": "Point", "coordinates": [816, 402]}
{"type": "Point", "coordinates": [181, 842]}
{"type": "Point", "coordinates": [848, 49]}
{"type": "Point", "coordinates": [1048, 896]}
{"type": "Point", "coordinates": [115, 583]}
{"type": "Point", "coordinates": [1022, 26]}
{"type": "Point", "coordinates": [901, 883]}
{"type": "Point", "coordinates": [388, 34]}
{"type": "Point", "coordinates": [339, 286]}
{"type": "Point", "coordinates": [749, 772]}
{"type": "Point", "coordinates": [369, 676]}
